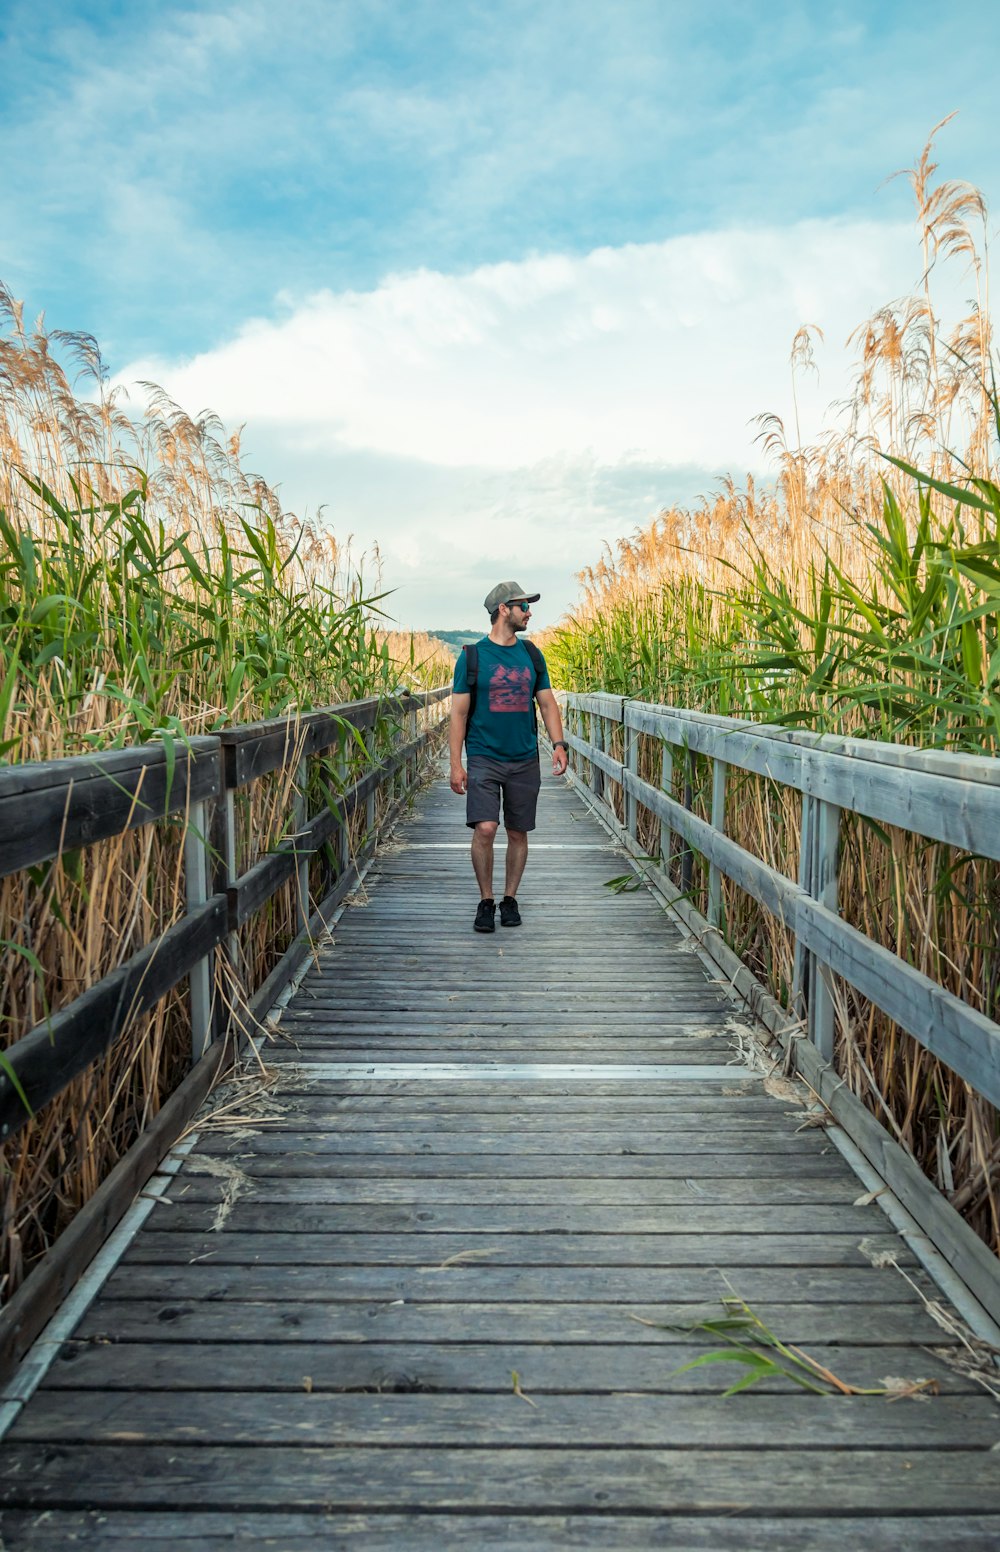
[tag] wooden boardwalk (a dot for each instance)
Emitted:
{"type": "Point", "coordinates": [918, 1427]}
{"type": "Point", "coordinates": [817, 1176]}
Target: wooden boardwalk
{"type": "Point", "coordinates": [397, 1310]}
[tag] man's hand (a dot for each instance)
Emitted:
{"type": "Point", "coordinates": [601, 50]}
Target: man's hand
{"type": "Point", "coordinates": [560, 760]}
{"type": "Point", "coordinates": [459, 780]}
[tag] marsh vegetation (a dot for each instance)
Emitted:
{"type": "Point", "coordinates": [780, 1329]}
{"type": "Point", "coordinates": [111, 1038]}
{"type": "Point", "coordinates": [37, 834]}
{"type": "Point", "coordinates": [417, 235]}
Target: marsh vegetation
{"type": "Point", "coordinates": [151, 587]}
{"type": "Point", "coordinates": [859, 593]}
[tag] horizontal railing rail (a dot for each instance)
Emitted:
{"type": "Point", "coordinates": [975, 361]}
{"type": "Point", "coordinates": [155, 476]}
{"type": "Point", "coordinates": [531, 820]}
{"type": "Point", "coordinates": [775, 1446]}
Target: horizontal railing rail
{"type": "Point", "coordinates": [950, 798]}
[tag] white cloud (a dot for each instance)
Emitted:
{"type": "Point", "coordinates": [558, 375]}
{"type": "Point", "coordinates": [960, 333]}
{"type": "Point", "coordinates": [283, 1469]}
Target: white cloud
{"type": "Point", "coordinates": [538, 408]}
{"type": "Point", "coordinates": [661, 350]}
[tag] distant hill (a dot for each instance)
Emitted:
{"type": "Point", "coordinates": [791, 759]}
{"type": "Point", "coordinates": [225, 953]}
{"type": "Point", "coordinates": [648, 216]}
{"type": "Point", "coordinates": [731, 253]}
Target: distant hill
{"type": "Point", "coordinates": [455, 640]}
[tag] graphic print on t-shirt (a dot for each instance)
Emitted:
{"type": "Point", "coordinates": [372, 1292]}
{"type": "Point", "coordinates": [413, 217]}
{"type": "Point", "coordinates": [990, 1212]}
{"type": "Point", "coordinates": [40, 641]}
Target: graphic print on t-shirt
{"type": "Point", "coordinates": [510, 689]}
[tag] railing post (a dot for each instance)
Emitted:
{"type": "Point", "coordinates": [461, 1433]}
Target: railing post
{"type": "Point", "coordinates": [370, 815]}
{"type": "Point", "coordinates": [343, 833]}
{"type": "Point", "coordinates": [412, 761]}
{"type": "Point", "coordinates": [196, 892]}
{"type": "Point", "coordinates": [687, 855]}
{"type": "Point", "coordinates": [667, 786]}
{"type": "Point", "coordinates": [300, 819]}
{"type": "Point", "coordinates": [572, 759]}
{"type": "Point", "coordinates": [586, 766]}
{"type": "Point", "coordinates": [631, 737]}
{"type": "Point", "coordinates": [719, 773]}
{"type": "Point", "coordinates": [224, 871]}
{"type": "Point", "coordinates": [826, 849]}
{"type": "Point", "coordinates": [800, 974]}
{"type": "Point", "coordinates": [599, 742]}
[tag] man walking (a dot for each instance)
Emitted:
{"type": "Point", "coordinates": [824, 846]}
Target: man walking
{"type": "Point", "coordinates": [492, 712]}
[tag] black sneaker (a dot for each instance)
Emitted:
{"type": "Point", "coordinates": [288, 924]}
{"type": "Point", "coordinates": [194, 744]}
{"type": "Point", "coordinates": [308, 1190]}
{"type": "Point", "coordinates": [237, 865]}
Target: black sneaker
{"type": "Point", "coordinates": [484, 917]}
{"type": "Point", "coordinates": [510, 916]}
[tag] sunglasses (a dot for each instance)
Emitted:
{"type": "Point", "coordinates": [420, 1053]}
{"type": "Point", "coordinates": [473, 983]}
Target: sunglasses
{"type": "Point", "coordinates": [517, 603]}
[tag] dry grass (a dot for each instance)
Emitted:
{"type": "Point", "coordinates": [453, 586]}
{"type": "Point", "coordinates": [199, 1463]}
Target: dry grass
{"type": "Point", "coordinates": [852, 597]}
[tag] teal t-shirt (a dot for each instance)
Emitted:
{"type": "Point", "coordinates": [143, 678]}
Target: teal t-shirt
{"type": "Point", "coordinates": [502, 725]}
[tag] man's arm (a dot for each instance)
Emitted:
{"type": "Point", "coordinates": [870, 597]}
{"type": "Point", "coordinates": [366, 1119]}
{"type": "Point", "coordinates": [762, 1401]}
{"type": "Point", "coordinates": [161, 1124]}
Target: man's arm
{"type": "Point", "coordinates": [549, 708]}
{"type": "Point", "coordinates": [456, 738]}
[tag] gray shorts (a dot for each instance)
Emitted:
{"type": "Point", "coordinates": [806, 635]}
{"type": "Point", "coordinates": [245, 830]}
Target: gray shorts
{"type": "Point", "coordinates": [518, 780]}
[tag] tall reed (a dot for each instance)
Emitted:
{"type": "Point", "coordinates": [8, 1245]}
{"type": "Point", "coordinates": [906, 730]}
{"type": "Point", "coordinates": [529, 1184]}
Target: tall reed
{"type": "Point", "coordinates": [150, 587]}
{"type": "Point", "coordinates": [858, 594]}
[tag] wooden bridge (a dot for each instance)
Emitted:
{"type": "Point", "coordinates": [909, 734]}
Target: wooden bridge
{"type": "Point", "coordinates": [437, 1284]}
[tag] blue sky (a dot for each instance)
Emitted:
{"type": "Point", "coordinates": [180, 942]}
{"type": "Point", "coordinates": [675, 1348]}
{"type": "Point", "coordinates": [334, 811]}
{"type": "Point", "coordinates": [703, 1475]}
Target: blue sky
{"type": "Point", "coordinates": [475, 275]}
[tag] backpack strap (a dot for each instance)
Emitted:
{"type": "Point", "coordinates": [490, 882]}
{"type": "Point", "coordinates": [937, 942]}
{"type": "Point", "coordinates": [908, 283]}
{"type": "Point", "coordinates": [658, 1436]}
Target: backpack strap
{"type": "Point", "coordinates": [537, 660]}
{"type": "Point", "coordinates": [472, 675]}
{"type": "Point", "coordinates": [538, 663]}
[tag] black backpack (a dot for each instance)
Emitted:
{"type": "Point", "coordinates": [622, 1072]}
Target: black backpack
{"type": "Point", "coordinates": [472, 674]}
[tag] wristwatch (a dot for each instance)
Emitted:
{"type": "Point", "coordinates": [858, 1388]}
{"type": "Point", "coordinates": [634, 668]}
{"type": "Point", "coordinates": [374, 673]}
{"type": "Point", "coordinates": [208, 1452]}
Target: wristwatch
{"type": "Point", "coordinates": [560, 743]}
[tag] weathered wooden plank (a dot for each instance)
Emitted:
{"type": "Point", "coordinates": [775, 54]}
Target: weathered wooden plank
{"type": "Point", "coordinates": [288, 1155]}
{"type": "Point", "coordinates": [425, 1368]}
{"type": "Point", "coordinates": [480, 1282]}
{"type": "Point", "coordinates": [424, 1054]}
{"type": "Point", "coordinates": [137, 1531]}
{"type": "Point", "coordinates": [691, 1423]}
{"type": "Point", "coordinates": [567, 1166]}
{"type": "Point", "coordinates": [681, 1015]}
{"type": "Point", "coordinates": [174, 1236]}
{"type": "Point", "coordinates": [714, 734]}
{"type": "Point", "coordinates": [455, 1113]}
{"type": "Point", "coordinates": [684, 1013]}
{"type": "Point", "coordinates": [680, 1018]}
{"type": "Point", "coordinates": [422, 1063]}
{"type": "Point", "coordinates": [345, 1054]}
{"type": "Point", "coordinates": [590, 1143]}
{"type": "Point", "coordinates": [138, 1320]}
{"type": "Point", "coordinates": [254, 749]}
{"type": "Point", "coordinates": [54, 1053]}
{"type": "Point", "coordinates": [297, 1182]}
{"type": "Point", "coordinates": [692, 990]}
{"type": "Point", "coordinates": [945, 797]}
{"type": "Point", "coordinates": [357, 985]}
{"type": "Point", "coordinates": [599, 703]}
{"type": "Point", "coordinates": [248, 1214]}
{"type": "Point", "coordinates": [126, 1531]}
{"type": "Point", "coordinates": [53, 806]}
{"type": "Point", "coordinates": [963, 814]}
{"type": "Point", "coordinates": [951, 1481]}
{"type": "Point", "coordinates": [301, 1084]}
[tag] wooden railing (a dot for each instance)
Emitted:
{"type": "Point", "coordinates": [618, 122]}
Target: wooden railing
{"type": "Point", "coordinates": [945, 797]}
{"type": "Point", "coordinates": [50, 809]}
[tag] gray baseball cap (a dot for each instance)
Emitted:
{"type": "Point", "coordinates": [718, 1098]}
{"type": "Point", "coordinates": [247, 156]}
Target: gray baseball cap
{"type": "Point", "coordinates": [504, 592]}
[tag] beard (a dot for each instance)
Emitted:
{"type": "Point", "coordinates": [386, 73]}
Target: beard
{"type": "Point", "coordinates": [518, 625]}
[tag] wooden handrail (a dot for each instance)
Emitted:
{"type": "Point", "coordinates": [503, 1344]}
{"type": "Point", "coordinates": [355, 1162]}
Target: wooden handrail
{"type": "Point", "coordinates": [950, 798]}
{"type": "Point", "coordinates": [50, 807]}
{"type": "Point", "coordinates": [953, 798]}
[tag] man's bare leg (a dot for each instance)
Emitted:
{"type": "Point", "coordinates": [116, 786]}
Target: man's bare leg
{"type": "Point", "coordinates": [517, 856]}
{"type": "Point", "coordinates": [482, 856]}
